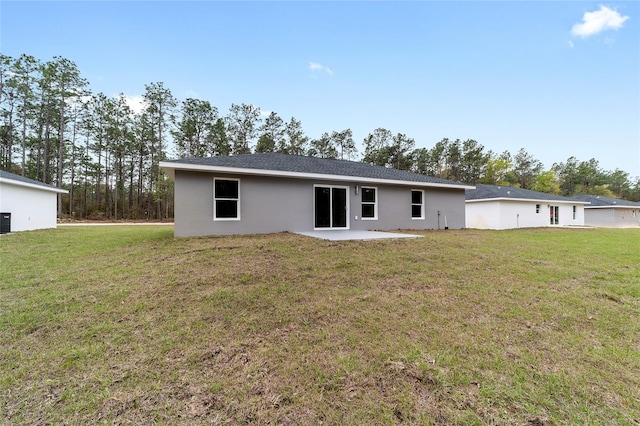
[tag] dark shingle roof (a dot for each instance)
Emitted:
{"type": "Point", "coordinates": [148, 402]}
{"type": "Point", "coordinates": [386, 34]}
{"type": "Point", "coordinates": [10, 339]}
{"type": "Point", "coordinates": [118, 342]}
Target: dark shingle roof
{"type": "Point", "coordinates": [311, 165]}
{"type": "Point", "coordinates": [488, 192]}
{"type": "Point", "coordinates": [22, 179]}
{"type": "Point", "coordinates": [600, 201]}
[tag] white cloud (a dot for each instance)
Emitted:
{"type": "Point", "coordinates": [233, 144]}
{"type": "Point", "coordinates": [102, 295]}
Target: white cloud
{"type": "Point", "coordinates": [571, 44]}
{"type": "Point", "coordinates": [136, 103]}
{"type": "Point", "coordinates": [314, 66]}
{"type": "Point", "coordinates": [598, 21]}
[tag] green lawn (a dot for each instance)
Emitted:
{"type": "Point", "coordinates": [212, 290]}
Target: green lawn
{"type": "Point", "coordinates": [129, 325]}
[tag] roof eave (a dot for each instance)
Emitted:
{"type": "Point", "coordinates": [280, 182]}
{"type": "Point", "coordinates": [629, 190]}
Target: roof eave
{"type": "Point", "coordinates": [613, 207]}
{"type": "Point", "coordinates": [33, 186]}
{"type": "Point", "coordinates": [533, 200]}
{"type": "Point", "coordinates": [171, 167]}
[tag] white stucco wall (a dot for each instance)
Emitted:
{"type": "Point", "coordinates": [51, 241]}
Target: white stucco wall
{"type": "Point", "coordinates": [30, 208]}
{"type": "Point", "coordinates": [566, 215]}
{"type": "Point", "coordinates": [483, 215]}
{"type": "Point", "coordinates": [511, 214]}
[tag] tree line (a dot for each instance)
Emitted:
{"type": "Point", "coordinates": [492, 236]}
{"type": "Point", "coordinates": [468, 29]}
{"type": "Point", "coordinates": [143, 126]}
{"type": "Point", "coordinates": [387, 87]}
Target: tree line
{"type": "Point", "coordinates": [55, 130]}
{"type": "Point", "coordinates": [469, 162]}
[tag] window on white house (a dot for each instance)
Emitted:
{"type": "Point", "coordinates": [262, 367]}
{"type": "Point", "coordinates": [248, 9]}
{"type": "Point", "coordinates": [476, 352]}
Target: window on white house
{"type": "Point", "coordinates": [574, 212]}
{"type": "Point", "coordinates": [537, 208]}
{"type": "Point", "coordinates": [417, 204]}
{"type": "Point", "coordinates": [226, 199]}
{"type": "Point", "coordinates": [369, 203]}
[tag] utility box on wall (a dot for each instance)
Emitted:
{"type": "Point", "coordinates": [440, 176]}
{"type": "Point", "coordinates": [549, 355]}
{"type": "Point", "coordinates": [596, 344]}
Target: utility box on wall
{"type": "Point", "coordinates": [5, 223]}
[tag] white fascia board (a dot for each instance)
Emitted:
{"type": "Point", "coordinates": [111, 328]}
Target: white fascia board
{"type": "Point", "coordinates": [531, 200]}
{"type": "Point", "coordinates": [612, 207]}
{"type": "Point", "coordinates": [170, 168]}
{"type": "Point", "coordinates": [33, 186]}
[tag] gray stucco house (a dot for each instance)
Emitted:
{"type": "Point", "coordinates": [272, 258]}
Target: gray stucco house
{"type": "Point", "coordinates": [270, 192]}
{"type": "Point", "coordinates": [610, 212]}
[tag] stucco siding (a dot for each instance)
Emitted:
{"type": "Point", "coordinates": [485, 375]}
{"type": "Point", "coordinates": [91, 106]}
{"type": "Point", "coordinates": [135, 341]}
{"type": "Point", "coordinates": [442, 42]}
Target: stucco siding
{"type": "Point", "coordinates": [610, 217]}
{"type": "Point", "coordinates": [394, 209]}
{"type": "Point", "coordinates": [483, 215]}
{"type": "Point", "coordinates": [522, 214]}
{"type": "Point", "coordinates": [566, 215]}
{"type": "Point", "coordinates": [275, 204]}
{"type": "Point", "coordinates": [30, 208]}
{"type": "Point", "coordinates": [511, 214]}
{"type": "Point", "coordinates": [267, 205]}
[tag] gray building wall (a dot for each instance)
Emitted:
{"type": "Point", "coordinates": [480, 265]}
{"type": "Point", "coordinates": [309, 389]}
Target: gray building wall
{"type": "Point", "coordinates": [612, 217]}
{"type": "Point", "coordinates": [272, 204]}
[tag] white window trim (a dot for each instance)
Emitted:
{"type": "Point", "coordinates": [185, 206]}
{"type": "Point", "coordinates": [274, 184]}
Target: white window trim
{"type": "Point", "coordinates": [422, 213]}
{"type": "Point", "coordinates": [331, 228]}
{"type": "Point", "coordinates": [225, 219]}
{"type": "Point", "coordinates": [375, 203]}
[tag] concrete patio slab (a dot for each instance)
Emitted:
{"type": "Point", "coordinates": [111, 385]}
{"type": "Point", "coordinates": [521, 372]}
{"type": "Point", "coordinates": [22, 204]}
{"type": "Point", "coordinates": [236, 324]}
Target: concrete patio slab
{"type": "Point", "coordinates": [347, 235]}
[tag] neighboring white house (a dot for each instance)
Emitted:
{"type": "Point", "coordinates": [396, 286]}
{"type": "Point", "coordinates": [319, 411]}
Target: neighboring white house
{"type": "Point", "coordinates": [505, 207]}
{"type": "Point", "coordinates": [29, 203]}
{"type": "Point", "coordinates": [610, 212]}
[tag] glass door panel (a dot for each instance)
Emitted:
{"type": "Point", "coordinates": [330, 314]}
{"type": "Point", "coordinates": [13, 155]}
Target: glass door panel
{"type": "Point", "coordinates": [322, 207]}
{"type": "Point", "coordinates": [339, 207]}
{"type": "Point", "coordinates": [553, 215]}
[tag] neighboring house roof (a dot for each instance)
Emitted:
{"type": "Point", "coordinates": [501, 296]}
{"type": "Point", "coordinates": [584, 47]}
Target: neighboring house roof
{"type": "Point", "coordinates": [484, 192]}
{"type": "Point", "coordinates": [13, 179]}
{"type": "Point", "coordinates": [296, 166]}
{"type": "Point", "coordinates": [598, 201]}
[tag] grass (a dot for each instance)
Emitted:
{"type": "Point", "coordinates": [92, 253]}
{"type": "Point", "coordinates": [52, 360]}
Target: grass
{"type": "Point", "coordinates": [129, 325]}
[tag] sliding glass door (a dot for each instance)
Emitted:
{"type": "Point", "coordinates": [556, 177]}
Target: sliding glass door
{"type": "Point", "coordinates": [554, 215]}
{"type": "Point", "coordinates": [330, 206]}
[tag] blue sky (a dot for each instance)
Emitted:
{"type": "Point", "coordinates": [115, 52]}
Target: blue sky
{"type": "Point", "coordinates": [559, 79]}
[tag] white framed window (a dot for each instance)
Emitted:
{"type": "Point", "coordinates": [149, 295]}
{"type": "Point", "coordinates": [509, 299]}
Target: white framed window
{"type": "Point", "coordinates": [226, 199]}
{"type": "Point", "coordinates": [417, 204]}
{"type": "Point", "coordinates": [537, 208]}
{"type": "Point", "coordinates": [574, 212]}
{"type": "Point", "coordinates": [369, 202]}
